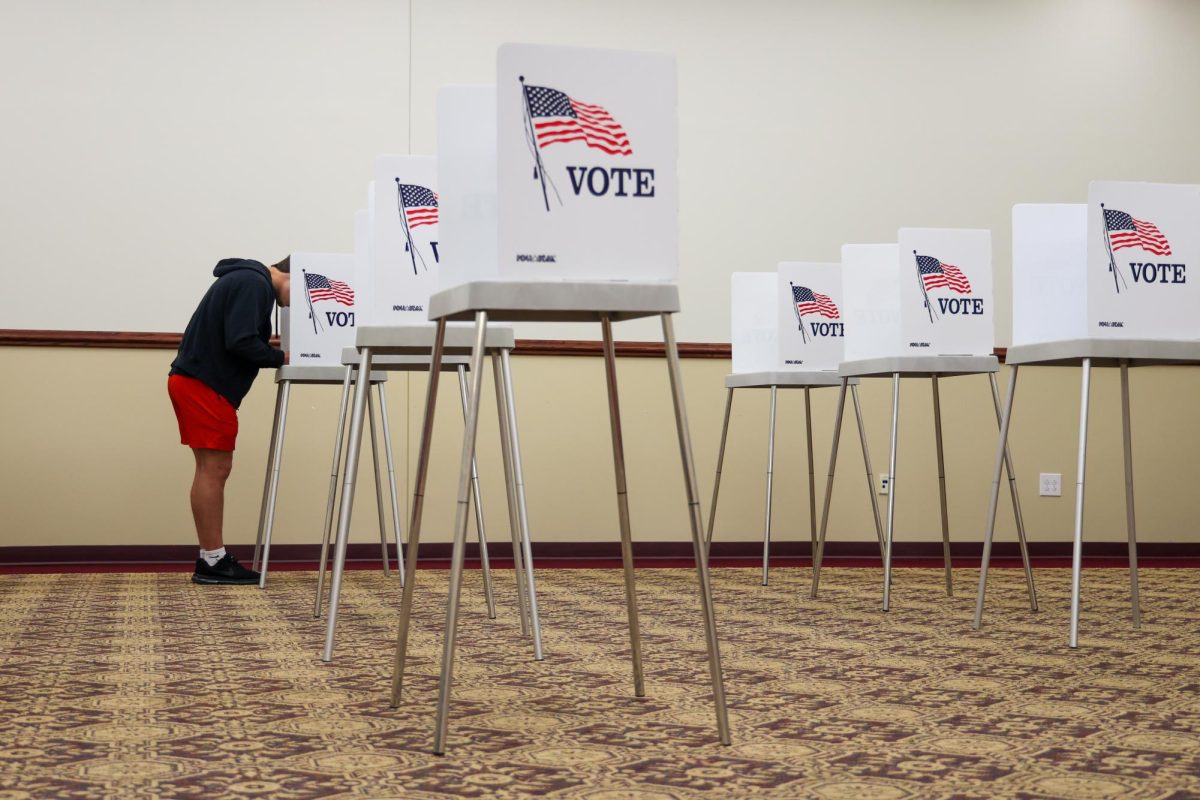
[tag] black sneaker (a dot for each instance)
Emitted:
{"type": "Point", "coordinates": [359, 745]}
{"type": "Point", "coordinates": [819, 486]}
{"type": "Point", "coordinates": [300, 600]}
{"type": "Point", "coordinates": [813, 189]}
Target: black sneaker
{"type": "Point", "coordinates": [227, 571]}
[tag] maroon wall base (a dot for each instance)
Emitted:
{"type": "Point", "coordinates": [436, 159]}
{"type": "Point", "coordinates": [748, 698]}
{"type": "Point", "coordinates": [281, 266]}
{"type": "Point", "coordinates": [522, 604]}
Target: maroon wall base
{"type": "Point", "coordinates": [603, 554]}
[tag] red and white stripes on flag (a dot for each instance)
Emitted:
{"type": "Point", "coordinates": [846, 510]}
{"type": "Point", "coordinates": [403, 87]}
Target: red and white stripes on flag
{"type": "Point", "coordinates": [558, 118]}
{"type": "Point", "coordinates": [322, 288]}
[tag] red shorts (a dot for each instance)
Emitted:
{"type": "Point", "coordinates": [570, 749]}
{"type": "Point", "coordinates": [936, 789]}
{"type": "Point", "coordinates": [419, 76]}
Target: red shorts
{"type": "Point", "coordinates": [206, 419]}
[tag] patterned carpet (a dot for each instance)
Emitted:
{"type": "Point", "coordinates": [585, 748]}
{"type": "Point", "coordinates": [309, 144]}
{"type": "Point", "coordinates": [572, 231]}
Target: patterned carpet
{"type": "Point", "coordinates": [142, 685]}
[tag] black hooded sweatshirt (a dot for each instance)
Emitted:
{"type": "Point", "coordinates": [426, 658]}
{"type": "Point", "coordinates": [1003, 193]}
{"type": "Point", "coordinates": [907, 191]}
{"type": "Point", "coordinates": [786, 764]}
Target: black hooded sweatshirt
{"type": "Point", "coordinates": [227, 339]}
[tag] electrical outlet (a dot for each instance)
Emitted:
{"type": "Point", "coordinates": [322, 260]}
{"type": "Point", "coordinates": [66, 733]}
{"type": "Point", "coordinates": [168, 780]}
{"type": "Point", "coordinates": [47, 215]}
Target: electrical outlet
{"type": "Point", "coordinates": [885, 482]}
{"type": "Point", "coordinates": [1050, 484]}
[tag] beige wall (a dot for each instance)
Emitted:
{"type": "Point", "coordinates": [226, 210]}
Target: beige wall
{"type": "Point", "coordinates": [90, 454]}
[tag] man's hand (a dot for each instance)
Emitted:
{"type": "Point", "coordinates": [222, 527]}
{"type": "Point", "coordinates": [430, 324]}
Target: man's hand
{"type": "Point", "coordinates": [287, 357]}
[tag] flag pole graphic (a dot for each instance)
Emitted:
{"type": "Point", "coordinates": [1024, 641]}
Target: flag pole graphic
{"type": "Point", "coordinates": [539, 169]}
{"type": "Point", "coordinates": [799, 317]}
{"type": "Point", "coordinates": [924, 292]}
{"type": "Point", "coordinates": [410, 245]}
{"type": "Point", "coordinates": [311, 314]}
{"type": "Point", "coordinates": [1112, 261]}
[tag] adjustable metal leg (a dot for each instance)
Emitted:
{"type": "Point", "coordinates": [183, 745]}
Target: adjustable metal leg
{"type": "Point", "coordinates": [362, 390]}
{"type": "Point", "coordinates": [510, 486]}
{"type": "Point", "coordinates": [1005, 420]}
{"type": "Point", "coordinates": [1077, 548]}
{"type": "Point", "coordinates": [941, 463]}
{"type": "Point", "coordinates": [383, 540]}
{"type": "Point", "coordinates": [837, 436]}
{"type": "Point", "coordinates": [1022, 543]}
{"type": "Point", "coordinates": [618, 446]}
{"type": "Point", "coordinates": [766, 558]}
{"type": "Point", "coordinates": [285, 390]}
{"type": "Point", "coordinates": [262, 512]}
{"type": "Point", "coordinates": [1129, 515]}
{"type": "Point", "coordinates": [862, 438]}
{"type": "Point", "coordinates": [891, 504]}
{"type": "Point", "coordinates": [391, 468]}
{"type": "Point", "coordinates": [535, 622]}
{"type": "Point", "coordinates": [461, 521]}
{"type": "Point", "coordinates": [333, 476]}
{"type": "Point", "coordinates": [418, 506]}
{"type": "Point", "coordinates": [693, 497]}
{"type": "Point", "coordinates": [712, 512]}
{"type": "Point", "coordinates": [484, 563]}
{"type": "Point", "coordinates": [812, 474]}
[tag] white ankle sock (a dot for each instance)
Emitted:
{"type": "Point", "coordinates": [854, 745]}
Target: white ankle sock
{"type": "Point", "coordinates": [211, 557]}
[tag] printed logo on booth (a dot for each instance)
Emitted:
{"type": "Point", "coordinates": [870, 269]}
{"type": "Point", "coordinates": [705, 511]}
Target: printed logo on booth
{"type": "Point", "coordinates": [806, 302]}
{"type": "Point", "coordinates": [318, 289]}
{"type": "Point", "coordinates": [554, 117]}
{"type": "Point", "coordinates": [1122, 230]}
{"type": "Point", "coordinates": [417, 206]}
{"type": "Point", "coordinates": [934, 274]}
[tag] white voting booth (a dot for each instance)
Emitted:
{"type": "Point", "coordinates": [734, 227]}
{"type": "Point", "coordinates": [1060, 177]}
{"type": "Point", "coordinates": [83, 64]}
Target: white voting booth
{"type": "Point", "coordinates": [397, 257]}
{"type": "Point", "coordinates": [920, 308]}
{"type": "Point", "coordinates": [326, 298]}
{"type": "Point", "coordinates": [1104, 284]}
{"type": "Point", "coordinates": [786, 333]}
{"type": "Point", "coordinates": [558, 201]}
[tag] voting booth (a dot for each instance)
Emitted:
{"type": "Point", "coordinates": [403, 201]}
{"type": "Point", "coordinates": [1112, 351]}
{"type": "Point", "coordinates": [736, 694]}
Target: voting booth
{"type": "Point", "coordinates": [397, 257]}
{"type": "Point", "coordinates": [1102, 284]}
{"type": "Point", "coordinates": [922, 307]}
{"type": "Point", "coordinates": [786, 333]}
{"type": "Point", "coordinates": [559, 202]}
{"type": "Point", "coordinates": [320, 323]}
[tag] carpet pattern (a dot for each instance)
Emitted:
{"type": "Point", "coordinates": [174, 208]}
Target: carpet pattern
{"type": "Point", "coordinates": [143, 685]}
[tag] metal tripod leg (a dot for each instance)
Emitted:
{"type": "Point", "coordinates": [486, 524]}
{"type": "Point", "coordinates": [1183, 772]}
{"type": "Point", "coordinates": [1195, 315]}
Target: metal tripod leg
{"type": "Point", "coordinates": [1022, 542]}
{"type": "Point", "coordinates": [1129, 515]}
{"type": "Point", "coordinates": [891, 504]}
{"type": "Point", "coordinates": [535, 622]}
{"type": "Point", "coordinates": [285, 390]}
{"type": "Point", "coordinates": [510, 486]}
{"type": "Point", "coordinates": [362, 390]}
{"type": "Point", "coordinates": [1005, 420]}
{"type": "Point", "coordinates": [1077, 546]}
{"type": "Point", "coordinates": [383, 542]}
{"type": "Point", "coordinates": [837, 436]}
{"type": "Point", "coordinates": [461, 520]}
{"type": "Point", "coordinates": [266, 495]}
{"type": "Point", "coordinates": [862, 439]}
{"type": "Point", "coordinates": [812, 474]}
{"type": "Point", "coordinates": [712, 512]}
{"type": "Point", "coordinates": [618, 446]}
{"type": "Point", "coordinates": [484, 562]}
{"type": "Point", "coordinates": [418, 507]}
{"type": "Point", "coordinates": [391, 468]}
{"type": "Point", "coordinates": [766, 558]}
{"type": "Point", "coordinates": [329, 502]}
{"type": "Point", "coordinates": [701, 555]}
{"type": "Point", "coordinates": [941, 463]}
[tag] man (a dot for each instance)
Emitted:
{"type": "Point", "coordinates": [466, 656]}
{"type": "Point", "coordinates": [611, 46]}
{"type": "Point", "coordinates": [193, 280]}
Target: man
{"type": "Point", "coordinates": [226, 342]}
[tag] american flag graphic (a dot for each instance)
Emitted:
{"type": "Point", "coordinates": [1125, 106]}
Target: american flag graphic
{"type": "Point", "coordinates": [809, 302]}
{"type": "Point", "coordinates": [420, 205]}
{"type": "Point", "coordinates": [558, 118]}
{"type": "Point", "coordinates": [935, 274]}
{"type": "Point", "coordinates": [1125, 231]}
{"type": "Point", "coordinates": [322, 288]}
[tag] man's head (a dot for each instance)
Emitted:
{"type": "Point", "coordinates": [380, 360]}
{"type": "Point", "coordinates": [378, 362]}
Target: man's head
{"type": "Point", "coordinates": [281, 279]}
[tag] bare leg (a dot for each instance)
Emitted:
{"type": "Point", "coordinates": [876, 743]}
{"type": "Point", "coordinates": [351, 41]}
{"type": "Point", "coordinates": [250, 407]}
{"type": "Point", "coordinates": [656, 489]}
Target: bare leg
{"type": "Point", "coordinates": [208, 495]}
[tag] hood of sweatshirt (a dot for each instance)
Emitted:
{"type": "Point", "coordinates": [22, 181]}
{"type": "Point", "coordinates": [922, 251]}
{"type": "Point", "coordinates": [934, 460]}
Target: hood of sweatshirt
{"type": "Point", "coordinates": [228, 265]}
